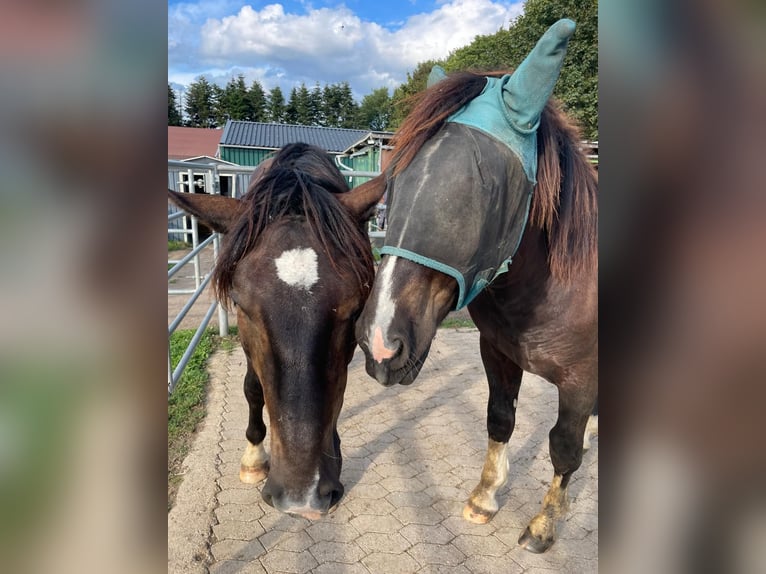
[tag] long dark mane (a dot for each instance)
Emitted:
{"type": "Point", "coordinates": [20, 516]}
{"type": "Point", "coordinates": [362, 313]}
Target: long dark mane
{"type": "Point", "coordinates": [300, 180]}
{"type": "Point", "coordinates": [564, 204]}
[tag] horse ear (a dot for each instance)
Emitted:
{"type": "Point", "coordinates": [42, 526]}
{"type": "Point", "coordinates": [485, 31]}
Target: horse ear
{"type": "Point", "coordinates": [215, 211]}
{"type": "Point", "coordinates": [361, 201]}
{"type": "Point", "coordinates": [437, 75]}
{"type": "Point", "coordinates": [531, 85]}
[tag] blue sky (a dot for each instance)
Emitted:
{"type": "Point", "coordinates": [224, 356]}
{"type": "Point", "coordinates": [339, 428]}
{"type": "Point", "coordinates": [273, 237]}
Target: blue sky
{"type": "Point", "coordinates": [369, 43]}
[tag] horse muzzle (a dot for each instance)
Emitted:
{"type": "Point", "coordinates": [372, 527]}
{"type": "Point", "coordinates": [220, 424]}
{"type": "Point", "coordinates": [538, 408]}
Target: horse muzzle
{"type": "Point", "coordinates": [320, 499]}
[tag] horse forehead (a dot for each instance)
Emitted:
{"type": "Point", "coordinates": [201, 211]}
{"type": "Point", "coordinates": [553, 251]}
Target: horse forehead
{"type": "Point", "coordinates": [298, 267]}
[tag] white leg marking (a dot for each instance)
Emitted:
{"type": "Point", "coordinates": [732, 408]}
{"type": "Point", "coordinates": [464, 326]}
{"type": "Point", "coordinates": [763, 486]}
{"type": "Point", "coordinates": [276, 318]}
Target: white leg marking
{"type": "Point", "coordinates": [384, 312]}
{"type": "Point", "coordinates": [482, 504]}
{"type": "Point", "coordinates": [255, 455]}
{"type": "Point", "coordinates": [298, 267]}
{"type": "Point", "coordinates": [590, 430]}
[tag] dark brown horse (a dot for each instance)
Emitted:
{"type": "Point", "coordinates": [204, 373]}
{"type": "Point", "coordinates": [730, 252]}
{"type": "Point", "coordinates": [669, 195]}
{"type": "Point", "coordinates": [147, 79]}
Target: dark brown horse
{"type": "Point", "coordinates": [297, 265]}
{"type": "Point", "coordinates": [459, 211]}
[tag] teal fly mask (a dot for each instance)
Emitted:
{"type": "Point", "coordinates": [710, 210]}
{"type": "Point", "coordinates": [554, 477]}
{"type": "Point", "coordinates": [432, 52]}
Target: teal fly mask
{"type": "Point", "coordinates": [474, 179]}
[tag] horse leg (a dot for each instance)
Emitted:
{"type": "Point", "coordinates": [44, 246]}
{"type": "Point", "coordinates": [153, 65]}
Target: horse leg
{"type": "Point", "coordinates": [504, 378]}
{"type": "Point", "coordinates": [591, 429]}
{"type": "Point", "coordinates": [566, 448]}
{"type": "Point", "coordinates": [254, 465]}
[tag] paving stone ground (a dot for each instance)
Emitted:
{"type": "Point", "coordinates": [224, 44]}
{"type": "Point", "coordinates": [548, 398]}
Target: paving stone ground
{"type": "Point", "coordinates": [411, 456]}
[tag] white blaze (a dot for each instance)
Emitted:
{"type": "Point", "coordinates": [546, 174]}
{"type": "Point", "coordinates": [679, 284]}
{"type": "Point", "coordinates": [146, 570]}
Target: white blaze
{"type": "Point", "coordinates": [298, 267]}
{"type": "Point", "coordinates": [384, 309]}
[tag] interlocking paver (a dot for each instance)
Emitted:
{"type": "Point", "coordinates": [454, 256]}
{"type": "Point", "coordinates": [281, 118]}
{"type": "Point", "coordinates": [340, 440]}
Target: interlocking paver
{"type": "Point", "coordinates": [381, 524]}
{"type": "Point", "coordinates": [415, 515]}
{"type": "Point", "coordinates": [290, 541]}
{"type": "Point", "coordinates": [237, 550]}
{"type": "Point", "coordinates": [383, 563]}
{"type": "Point", "coordinates": [284, 561]}
{"type": "Point", "coordinates": [471, 544]}
{"type": "Point", "coordinates": [238, 530]}
{"type": "Point", "coordinates": [443, 569]}
{"type": "Point", "coordinates": [376, 542]}
{"type": "Point", "coordinates": [324, 530]}
{"type": "Point", "coordinates": [339, 568]}
{"type": "Point", "coordinates": [417, 499]}
{"type": "Point", "coordinates": [494, 565]}
{"type": "Point", "coordinates": [426, 553]}
{"type": "Point", "coordinates": [411, 456]}
{"type": "Point", "coordinates": [419, 532]}
{"type": "Point", "coordinates": [240, 512]}
{"type": "Point", "coordinates": [237, 567]}
{"type": "Point", "coordinates": [345, 552]}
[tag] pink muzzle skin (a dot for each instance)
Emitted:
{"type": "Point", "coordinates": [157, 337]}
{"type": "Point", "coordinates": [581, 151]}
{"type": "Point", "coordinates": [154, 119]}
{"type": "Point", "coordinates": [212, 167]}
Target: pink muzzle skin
{"type": "Point", "coordinates": [379, 350]}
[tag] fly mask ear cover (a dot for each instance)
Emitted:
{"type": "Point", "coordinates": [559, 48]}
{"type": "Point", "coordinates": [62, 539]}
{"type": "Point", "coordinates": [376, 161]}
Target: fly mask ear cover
{"type": "Point", "coordinates": [490, 222]}
{"type": "Point", "coordinates": [509, 107]}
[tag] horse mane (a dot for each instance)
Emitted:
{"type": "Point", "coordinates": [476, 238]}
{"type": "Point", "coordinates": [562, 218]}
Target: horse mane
{"type": "Point", "coordinates": [300, 180]}
{"type": "Point", "coordinates": [564, 204]}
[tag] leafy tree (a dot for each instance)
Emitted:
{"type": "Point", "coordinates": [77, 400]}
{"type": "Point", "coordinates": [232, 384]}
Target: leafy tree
{"type": "Point", "coordinates": [257, 103]}
{"type": "Point", "coordinates": [174, 116]}
{"type": "Point", "coordinates": [315, 106]}
{"type": "Point", "coordinates": [375, 111]}
{"type": "Point", "coordinates": [347, 106]}
{"type": "Point", "coordinates": [235, 103]}
{"type": "Point", "coordinates": [303, 107]}
{"type": "Point", "coordinates": [200, 105]}
{"type": "Point", "coordinates": [339, 106]}
{"type": "Point", "coordinates": [577, 87]}
{"type": "Point", "coordinates": [298, 110]}
{"type": "Point", "coordinates": [220, 110]}
{"type": "Point", "coordinates": [291, 109]}
{"type": "Point", "coordinates": [416, 82]}
{"type": "Point", "coordinates": [276, 109]}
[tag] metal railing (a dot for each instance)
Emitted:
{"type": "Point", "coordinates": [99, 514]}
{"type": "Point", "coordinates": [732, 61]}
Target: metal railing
{"type": "Point", "coordinates": [174, 374]}
{"type": "Point", "coordinates": [187, 225]}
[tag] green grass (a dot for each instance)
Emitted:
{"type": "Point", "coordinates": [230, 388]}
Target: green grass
{"type": "Point", "coordinates": [457, 323]}
{"type": "Point", "coordinates": [174, 245]}
{"type": "Point", "coordinates": [186, 406]}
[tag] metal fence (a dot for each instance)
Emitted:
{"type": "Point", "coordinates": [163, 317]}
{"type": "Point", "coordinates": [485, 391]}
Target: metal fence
{"type": "Point", "coordinates": [204, 178]}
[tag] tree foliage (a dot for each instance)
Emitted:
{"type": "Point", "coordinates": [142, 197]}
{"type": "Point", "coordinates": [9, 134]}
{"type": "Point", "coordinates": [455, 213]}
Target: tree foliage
{"type": "Point", "coordinates": [201, 105]}
{"type": "Point", "coordinates": [577, 88]}
{"type": "Point", "coordinates": [375, 112]}
{"type": "Point", "coordinates": [416, 82]}
{"type": "Point", "coordinates": [174, 116]}
{"type": "Point", "coordinates": [235, 100]}
{"type": "Point", "coordinates": [339, 106]}
{"type": "Point", "coordinates": [276, 108]}
{"type": "Point", "coordinates": [257, 103]}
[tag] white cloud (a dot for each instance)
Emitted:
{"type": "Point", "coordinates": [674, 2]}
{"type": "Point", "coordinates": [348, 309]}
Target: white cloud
{"type": "Point", "coordinates": [327, 45]}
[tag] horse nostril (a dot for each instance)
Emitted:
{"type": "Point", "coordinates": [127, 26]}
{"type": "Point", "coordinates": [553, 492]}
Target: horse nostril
{"type": "Point", "coordinates": [331, 489]}
{"type": "Point", "coordinates": [380, 350]}
{"type": "Point", "coordinates": [267, 495]}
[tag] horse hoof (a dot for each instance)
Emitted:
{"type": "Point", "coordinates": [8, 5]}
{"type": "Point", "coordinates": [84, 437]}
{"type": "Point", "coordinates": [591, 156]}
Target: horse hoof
{"type": "Point", "coordinates": [476, 515]}
{"type": "Point", "coordinates": [253, 474]}
{"type": "Point", "coordinates": [536, 545]}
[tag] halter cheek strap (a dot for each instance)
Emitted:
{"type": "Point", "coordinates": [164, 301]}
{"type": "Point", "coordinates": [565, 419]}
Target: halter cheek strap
{"type": "Point", "coordinates": [464, 298]}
